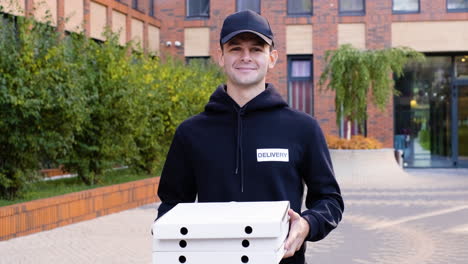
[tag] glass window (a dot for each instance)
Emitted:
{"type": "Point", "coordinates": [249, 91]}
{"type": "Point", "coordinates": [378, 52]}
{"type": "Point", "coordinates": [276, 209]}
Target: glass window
{"type": "Point", "coordinates": [423, 113]}
{"type": "Point", "coordinates": [352, 7]}
{"type": "Point", "coordinates": [198, 8]}
{"type": "Point", "coordinates": [457, 5]}
{"type": "Point", "coordinates": [300, 85]}
{"type": "Point", "coordinates": [151, 7]}
{"type": "Point", "coordinates": [300, 7]}
{"type": "Point", "coordinates": [461, 67]}
{"type": "Point", "coordinates": [198, 61]}
{"type": "Point", "coordinates": [405, 6]}
{"type": "Point", "coordinates": [300, 68]}
{"type": "Point", "coordinates": [253, 5]}
{"type": "Point", "coordinates": [135, 4]}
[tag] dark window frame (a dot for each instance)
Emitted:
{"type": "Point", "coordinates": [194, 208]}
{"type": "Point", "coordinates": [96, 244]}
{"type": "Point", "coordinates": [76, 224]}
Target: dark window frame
{"type": "Point", "coordinates": [311, 13]}
{"type": "Point", "coordinates": [406, 12]}
{"type": "Point", "coordinates": [352, 13]}
{"type": "Point", "coordinates": [196, 17]}
{"type": "Point", "coordinates": [299, 57]}
{"type": "Point", "coordinates": [122, 2]}
{"type": "Point", "coordinates": [151, 8]}
{"type": "Point", "coordinates": [456, 10]}
{"type": "Point", "coordinates": [259, 6]}
{"type": "Point", "coordinates": [204, 59]}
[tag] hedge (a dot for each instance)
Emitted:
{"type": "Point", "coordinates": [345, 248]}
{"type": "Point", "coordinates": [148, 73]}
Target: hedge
{"type": "Point", "coordinates": [88, 105]}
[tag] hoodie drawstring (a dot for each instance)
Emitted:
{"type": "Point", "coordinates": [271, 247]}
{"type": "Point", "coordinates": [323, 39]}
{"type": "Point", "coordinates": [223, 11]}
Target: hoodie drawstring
{"type": "Point", "coordinates": [239, 158]}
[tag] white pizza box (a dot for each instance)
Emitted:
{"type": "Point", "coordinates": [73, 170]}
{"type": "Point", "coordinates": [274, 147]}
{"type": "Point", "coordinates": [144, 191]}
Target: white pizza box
{"type": "Point", "coordinates": [223, 244]}
{"type": "Point", "coordinates": [259, 257]}
{"type": "Point", "coordinates": [244, 220]}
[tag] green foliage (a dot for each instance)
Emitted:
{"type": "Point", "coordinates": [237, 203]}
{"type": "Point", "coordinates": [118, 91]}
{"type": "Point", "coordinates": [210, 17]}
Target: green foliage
{"type": "Point", "coordinates": [174, 92]}
{"type": "Point", "coordinates": [424, 139]}
{"type": "Point", "coordinates": [41, 106]}
{"type": "Point", "coordinates": [89, 106]}
{"type": "Point", "coordinates": [353, 74]}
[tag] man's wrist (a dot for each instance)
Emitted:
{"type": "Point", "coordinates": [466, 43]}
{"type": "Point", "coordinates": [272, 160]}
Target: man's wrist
{"type": "Point", "coordinates": [306, 228]}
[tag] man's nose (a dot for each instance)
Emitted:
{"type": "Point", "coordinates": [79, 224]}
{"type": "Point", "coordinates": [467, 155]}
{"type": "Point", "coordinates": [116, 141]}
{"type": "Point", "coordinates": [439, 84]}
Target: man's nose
{"type": "Point", "coordinates": [245, 56]}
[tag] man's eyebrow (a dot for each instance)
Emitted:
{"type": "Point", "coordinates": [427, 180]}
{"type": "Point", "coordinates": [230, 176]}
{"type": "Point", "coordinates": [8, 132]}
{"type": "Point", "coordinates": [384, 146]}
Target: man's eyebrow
{"type": "Point", "coordinates": [233, 43]}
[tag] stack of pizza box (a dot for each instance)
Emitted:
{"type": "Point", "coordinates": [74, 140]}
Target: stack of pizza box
{"type": "Point", "coordinates": [227, 233]}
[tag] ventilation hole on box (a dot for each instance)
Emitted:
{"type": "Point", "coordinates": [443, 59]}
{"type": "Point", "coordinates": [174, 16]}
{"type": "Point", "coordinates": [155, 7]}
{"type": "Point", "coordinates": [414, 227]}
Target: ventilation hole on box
{"type": "Point", "coordinates": [184, 231]}
{"type": "Point", "coordinates": [183, 243]}
{"type": "Point", "coordinates": [245, 243]}
{"type": "Point", "coordinates": [248, 229]}
{"type": "Point", "coordinates": [245, 259]}
{"type": "Point", "coordinates": [182, 259]}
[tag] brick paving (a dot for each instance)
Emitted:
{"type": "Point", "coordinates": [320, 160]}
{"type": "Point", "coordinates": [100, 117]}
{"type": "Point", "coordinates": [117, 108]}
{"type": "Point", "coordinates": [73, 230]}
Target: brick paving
{"type": "Point", "coordinates": [418, 218]}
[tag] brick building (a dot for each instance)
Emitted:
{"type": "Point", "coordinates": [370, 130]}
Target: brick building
{"type": "Point", "coordinates": [429, 120]}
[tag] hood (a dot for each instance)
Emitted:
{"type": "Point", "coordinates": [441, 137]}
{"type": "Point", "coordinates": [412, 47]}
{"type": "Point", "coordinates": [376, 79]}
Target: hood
{"type": "Point", "coordinates": [220, 101]}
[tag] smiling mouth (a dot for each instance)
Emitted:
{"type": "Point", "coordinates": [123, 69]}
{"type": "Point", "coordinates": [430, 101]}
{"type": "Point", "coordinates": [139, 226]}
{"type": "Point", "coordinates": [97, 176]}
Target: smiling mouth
{"type": "Point", "coordinates": [245, 69]}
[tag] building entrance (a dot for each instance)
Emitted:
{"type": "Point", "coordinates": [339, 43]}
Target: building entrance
{"type": "Point", "coordinates": [431, 113]}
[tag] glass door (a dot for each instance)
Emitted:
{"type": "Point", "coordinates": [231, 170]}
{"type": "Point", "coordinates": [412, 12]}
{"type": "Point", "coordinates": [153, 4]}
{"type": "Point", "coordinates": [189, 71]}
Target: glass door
{"type": "Point", "coordinates": [423, 113]}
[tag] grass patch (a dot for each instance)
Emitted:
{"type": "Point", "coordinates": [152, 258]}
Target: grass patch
{"type": "Point", "coordinates": [45, 189]}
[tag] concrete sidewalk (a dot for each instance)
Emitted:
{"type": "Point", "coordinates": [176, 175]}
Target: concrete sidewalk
{"type": "Point", "coordinates": [423, 219]}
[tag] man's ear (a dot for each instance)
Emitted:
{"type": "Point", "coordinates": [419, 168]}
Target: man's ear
{"type": "Point", "coordinates": [273, 58]}
{"type": "Point", "coordinates": [220, 57]}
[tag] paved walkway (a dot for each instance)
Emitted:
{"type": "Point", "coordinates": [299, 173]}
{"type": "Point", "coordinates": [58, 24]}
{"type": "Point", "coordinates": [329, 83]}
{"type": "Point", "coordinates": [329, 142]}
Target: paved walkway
{"type": "Point", "coordinates": [421, 218]}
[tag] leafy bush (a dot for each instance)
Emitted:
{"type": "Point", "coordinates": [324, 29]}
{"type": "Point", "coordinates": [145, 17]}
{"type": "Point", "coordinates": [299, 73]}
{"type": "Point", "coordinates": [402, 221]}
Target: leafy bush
{"type": "Point", "coordinates": [424, 139]}
{"type": "Point", "coordinates": [41, 105]}
{"type": "Point", "coordinates": [87, 105]}
{"type": "Point", "coordinates": [356, 142]}
{"type": "Point", "coordinates": [173, 93]}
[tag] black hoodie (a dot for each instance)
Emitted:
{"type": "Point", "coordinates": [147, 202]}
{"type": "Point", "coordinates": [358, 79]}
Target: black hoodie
{"type": "Point", "coordinates": [263, 151]}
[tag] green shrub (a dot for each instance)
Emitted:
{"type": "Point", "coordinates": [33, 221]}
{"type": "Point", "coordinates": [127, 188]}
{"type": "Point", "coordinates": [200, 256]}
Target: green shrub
{"type": "Point", "coordinates": [424, 139]}
{"type": "Point", "coordinates": [67, 99]}
{"type": "Point", "coordinates": [112, 101]}
{"type": "Point", "coordinates": [174, 92]}
{"type": "Point", "coordinates": [41, 107]}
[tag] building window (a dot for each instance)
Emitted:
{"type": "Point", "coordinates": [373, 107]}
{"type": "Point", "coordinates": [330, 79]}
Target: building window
{"type": "Point", "coordinates": [352, 7]}
{"type": "Point", "coordinates": [253, 5]}
{"type": "Point", "coordinates": [151, 8]}
{"type": "Point", "coordinates": [461, 67]}
{"type": "Point", "coordinates": [135, 4]}
{"type": "Point", "coordinates": [198, 60]}
{"type": "Point", "coordinates": [300, 7]}
{"type": "Point", "coordinates": [300, 83]}
{"type": "Point", "coordinates": [457, 5]}
{"type": "Point", "coordinates": [198, 8]}
{"type": "Point", "coordinates": [405, 6]}
{"type": "Point", "coordinates": [423, 113]}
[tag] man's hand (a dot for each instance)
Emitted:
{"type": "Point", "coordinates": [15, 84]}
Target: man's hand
{"type": "Point", "coordinates": [298, 231]}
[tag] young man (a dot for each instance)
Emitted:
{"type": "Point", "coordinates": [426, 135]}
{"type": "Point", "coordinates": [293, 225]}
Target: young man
{"type": "Point", "coordinates": [248, 145]}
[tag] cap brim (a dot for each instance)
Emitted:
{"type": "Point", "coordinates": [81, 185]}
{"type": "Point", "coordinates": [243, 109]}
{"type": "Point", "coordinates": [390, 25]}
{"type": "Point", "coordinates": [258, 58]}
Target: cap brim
{"type": "Point", "coordinates": [235, 33]}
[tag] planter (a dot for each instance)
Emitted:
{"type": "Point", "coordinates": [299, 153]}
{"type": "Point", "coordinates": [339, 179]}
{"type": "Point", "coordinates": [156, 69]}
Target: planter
{"type": "Point", "coordinates": [44, 214]}
{"type": "Point", "coordinates": [48, 173]}
{"type": "Point", "coordinates": [364, 165]}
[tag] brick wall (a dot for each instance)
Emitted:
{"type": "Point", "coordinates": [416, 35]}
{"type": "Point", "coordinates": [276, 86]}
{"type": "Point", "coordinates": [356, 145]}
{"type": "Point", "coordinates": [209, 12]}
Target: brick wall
{"type": "Point", "coordinates": [325, 20]}
{"type": "Point", "coordinates": [44, 214]}
{"type": "Point", "coordinates": [170, 17]}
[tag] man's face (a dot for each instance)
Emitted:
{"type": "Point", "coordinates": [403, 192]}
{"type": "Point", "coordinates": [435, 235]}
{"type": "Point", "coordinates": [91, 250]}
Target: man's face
{"type": "Point", "coordinates": [246, 59]}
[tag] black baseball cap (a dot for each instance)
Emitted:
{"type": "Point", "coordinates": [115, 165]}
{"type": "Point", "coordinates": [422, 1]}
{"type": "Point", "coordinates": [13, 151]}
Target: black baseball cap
{"type": "Point", "coordinates": [246, 21]}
